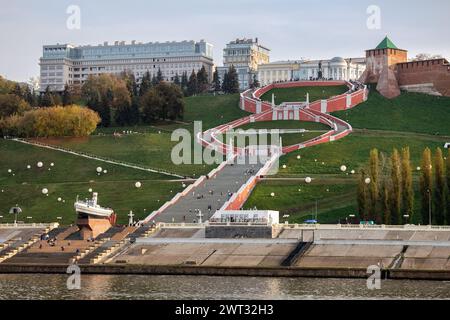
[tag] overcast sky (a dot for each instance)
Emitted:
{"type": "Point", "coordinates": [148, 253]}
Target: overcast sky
{"type": "Point", "coordinates": [292, 29]}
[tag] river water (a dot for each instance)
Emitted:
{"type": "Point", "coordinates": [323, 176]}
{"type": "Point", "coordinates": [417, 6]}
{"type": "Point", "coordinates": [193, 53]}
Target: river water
{"type": "Point", "coordinates": [134, 287]}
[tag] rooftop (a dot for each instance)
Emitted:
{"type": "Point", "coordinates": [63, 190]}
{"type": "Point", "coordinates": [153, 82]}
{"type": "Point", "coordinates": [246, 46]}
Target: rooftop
{"type": "Point", "coordinates": [386, 44]}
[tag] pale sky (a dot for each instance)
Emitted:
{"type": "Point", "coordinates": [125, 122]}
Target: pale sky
{"type": "Point", "coordinates": [292, 29]}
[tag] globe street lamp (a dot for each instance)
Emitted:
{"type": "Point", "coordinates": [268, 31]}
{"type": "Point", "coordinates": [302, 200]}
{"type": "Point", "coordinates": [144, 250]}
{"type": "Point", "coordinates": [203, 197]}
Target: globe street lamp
{"type": "Point", "coordinates": [15, 211]}
{"type": "Point", "coordinates": [429, 206]}
{"type": "Point", "coordinates": [406, 216]}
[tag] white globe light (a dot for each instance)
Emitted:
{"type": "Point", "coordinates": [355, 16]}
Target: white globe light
{"type": "Point", "coordinates": [184, 186]}
{"type": "Point", "coordinates": [284, 166]}
{"type": "Point", "coordinates": [105, 171]}
{"type": "Point", "coordinates": [99, 169]}
{"type": "Point", "coordinates": [90, 190]}
{"type": "Point", "coordinates": [138, 185]}
{"type": "Point", "coordinates": [367, 181]}
{"type": "Point", "coordinates": [419, 168]}
{"type": "Point", "coordinates": [9, 170]}
{"type": "Point", "coordinates": [45, 191]}
{"type": "Point", "coordinates": [308, 180]}
{"type": "Point", "coordinates": [272, 194]}
{"type": "Point", "coordinates": [343, 168]}
{"type": "Point", "coordinates": [52, 164]}
{"type": "Point", "coordinates": [59, 199]}
{"type": "Point", "coordinates": [298, 157]}
{"type": "Point", "coordinates": [353, 171]}
{"type": "Point", "coordinates": [28, 167]}
{"type": "Point", "coordinates": [40, 164]}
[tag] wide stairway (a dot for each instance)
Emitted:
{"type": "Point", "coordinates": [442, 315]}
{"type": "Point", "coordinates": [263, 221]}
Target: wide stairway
{"type": "Point", "coordinates": [212, 193]}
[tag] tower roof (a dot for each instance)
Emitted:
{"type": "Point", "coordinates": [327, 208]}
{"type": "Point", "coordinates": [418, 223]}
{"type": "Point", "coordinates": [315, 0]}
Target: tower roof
{"type": "Point", "coordinates": [386, 44]}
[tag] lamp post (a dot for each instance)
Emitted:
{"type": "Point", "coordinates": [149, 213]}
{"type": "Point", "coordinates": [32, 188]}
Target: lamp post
{"type": "Point", "coordinates": [406, 216]}
{"type": "Point", "coordinates": [15, 211]}
{"type": "Point", "coordinates": [429, 206]}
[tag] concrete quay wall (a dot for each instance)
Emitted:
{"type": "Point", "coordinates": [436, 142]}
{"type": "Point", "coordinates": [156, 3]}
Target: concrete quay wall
{"type": "Point", "coordinates": [221, 271]}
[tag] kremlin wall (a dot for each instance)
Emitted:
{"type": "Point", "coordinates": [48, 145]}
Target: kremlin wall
{"type": "Point", "coordinates": [389, 69]}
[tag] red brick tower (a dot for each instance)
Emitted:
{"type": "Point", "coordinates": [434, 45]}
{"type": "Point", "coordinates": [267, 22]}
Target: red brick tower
{"type": "Point", "coordinates": [381, 67]}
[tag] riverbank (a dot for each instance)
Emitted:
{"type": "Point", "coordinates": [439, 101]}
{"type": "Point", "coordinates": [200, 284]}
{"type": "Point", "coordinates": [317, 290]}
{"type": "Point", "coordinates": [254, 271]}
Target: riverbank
{"type": "Point", "coordinates": [350, 273]}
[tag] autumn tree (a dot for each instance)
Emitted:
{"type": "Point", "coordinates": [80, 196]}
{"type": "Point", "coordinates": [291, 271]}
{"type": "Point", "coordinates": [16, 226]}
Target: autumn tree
{"type": "Point", "coordinates": [447, 173]}
{"type": "Point", "coordinates": [407, 184]}
{"type": "Point", "coordinates": [73, 121]}
{"type": "Point", "coordinates": [439, 195]}
{"type": "Point", "coordinates": [385, 198]}
{"type": "Point", "coordinates": [374, 212]}
{"type": "Point", "coordinates": [426, 182]}
{"type": "Point", "coordinates": [363, 196]}
{"type": "Point", "coordinates": [396, 180]}
{"type": "Point", "coordinates": [11, 104]}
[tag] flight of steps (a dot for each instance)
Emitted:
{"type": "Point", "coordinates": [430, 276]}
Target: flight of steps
{"type": "Point", "coordinates": [87, 251]}
{"type": "Point", "coordinates": [109, 251]}
{"type": "Point", "coordinates": [16, 247]}
{"type": "Point", "coordinates": [66, 233]}
{"type": "Point", "coordinates": [142, 232]}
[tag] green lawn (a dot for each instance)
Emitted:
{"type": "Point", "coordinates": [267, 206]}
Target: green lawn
{"type": "Point", "coordinates": [152, 150]}
{"type": "Point", "coordinates": [352, 151]}
{"type": "Point", "coordinates": [299, 94]}
{"type": "Point", "coordinates": [72, 176]}
{"type": "Point", "coordinates": [213, 110]}
{"type": "Point", "coordinates": [298, 199]}
{"type": "Point", "coordinates": [410, 112]}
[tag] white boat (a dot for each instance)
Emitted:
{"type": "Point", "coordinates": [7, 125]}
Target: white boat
{"type": "Point", "coordinates": [90, 208]}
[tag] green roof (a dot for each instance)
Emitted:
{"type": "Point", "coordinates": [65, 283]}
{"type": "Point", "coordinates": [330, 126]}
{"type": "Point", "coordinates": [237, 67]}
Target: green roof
{"type": "Point", "coordinates": [386, 44]}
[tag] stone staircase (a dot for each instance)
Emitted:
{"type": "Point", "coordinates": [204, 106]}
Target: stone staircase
{"type": "Point", "coordinates": [15, 247]}
{"type": "Point", "coordinates": [87, 251]}
{"type": "Point", "coordinates": [66, 233]}
{"type": "Point", "coordinates": [109, 251]}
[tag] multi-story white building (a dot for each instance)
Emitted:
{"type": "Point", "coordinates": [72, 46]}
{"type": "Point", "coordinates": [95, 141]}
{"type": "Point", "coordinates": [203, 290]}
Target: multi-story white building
{"type": "Point", "coordinates": [335, 69]}
{"type": "Point", "coordinates": [245, 55]}
{"type": "Point", "coordinates": [277, 71]}
{"type": "Point", "coordinates": [72, 65]}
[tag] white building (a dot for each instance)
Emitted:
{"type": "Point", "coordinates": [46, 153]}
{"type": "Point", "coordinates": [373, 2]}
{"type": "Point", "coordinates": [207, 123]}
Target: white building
{"type": "Point", "coordinates": [69, 64]}
{"type": "Point", "coordinates": [246, 216]}
{"type": "Point", "coordinates": [277, 71]}
{"type": "Point", "coordinates": [245, 55]}
{"type": "Point", "coordinates": [335, 69]}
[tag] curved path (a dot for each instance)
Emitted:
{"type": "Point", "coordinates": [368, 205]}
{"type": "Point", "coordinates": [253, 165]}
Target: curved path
{"type": "Point", "coordinates": [234, 180]}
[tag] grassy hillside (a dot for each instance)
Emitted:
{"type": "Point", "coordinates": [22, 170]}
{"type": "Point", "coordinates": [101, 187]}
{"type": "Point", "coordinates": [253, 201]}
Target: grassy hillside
{"type": "Point", "coordinates": [71, 176]}
{"type": "Point", "coordinates": [299, 94]}
{"type": "Point", "coordinates": [410, 112]}
{"type": "Point", "coordinates": [213, 110]}
{"type": "Point", "coordinates": [352, 151]}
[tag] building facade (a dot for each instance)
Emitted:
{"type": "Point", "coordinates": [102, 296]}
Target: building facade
{"type": "Point", "coordinates": [335, 69]}
{"type": "Point", "coordinates": [246, 55]}
{"type": "Point", "coordinates": [277, 72]}
{"type": "Point", "coordinates": [72, 65]}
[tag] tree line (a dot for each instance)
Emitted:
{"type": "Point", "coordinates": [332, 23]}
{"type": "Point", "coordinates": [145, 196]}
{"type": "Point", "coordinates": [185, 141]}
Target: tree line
{"type": "Point", "coordinates": [386, 189]}
{"type": "Point", "coordinates": [22, 113]}
{"type": "Point", "coordinates": [121, 101]}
